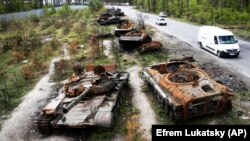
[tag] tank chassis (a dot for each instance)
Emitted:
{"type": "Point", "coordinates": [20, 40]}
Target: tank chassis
{"type": "Point", "coordinates": [185, 91]}
{"type": "Point", "coordinates": [89, 98]}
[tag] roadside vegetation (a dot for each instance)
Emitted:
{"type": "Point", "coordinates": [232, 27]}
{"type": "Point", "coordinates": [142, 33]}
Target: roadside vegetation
{"type": "Point", "coordinates": [231, 14]}
{"type": "Point", "coordinates": [27, 47]}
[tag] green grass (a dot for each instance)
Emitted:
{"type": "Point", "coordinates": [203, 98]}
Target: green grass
{"type": "Point", "coordinates": [245, 34]}
{"type": "Point", "coordinates": [101, 61]}
{"type": "Point", "coordinates": [162, 116]}
{"type": "Point", "coordinates": [153, 57]}
{"type": "Point", "coordinates": [5, 59]}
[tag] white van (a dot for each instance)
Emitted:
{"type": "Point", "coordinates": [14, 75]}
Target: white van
{"type": "Point", "coordinates": [218, 41]}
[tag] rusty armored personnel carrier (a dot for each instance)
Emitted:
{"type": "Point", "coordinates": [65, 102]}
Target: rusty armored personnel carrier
{"type": "Point", "coordinates": [134, 39]}
{"type": "Point", "coordinates": [155, 45]}
{"type": "Point", "coordinates": [124, 28]}
{"type": "Point", "coordinates": [186, 91]}
{"type": "Point", "coordinates": [89, 98]}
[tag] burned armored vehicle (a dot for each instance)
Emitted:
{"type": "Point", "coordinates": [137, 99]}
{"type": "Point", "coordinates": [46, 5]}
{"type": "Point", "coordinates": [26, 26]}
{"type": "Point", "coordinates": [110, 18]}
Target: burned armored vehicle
{"type": "Point", "coordinates": [108, 20]}
{"type": "Point", "coordinates": [115, 11]}
{"type": "Point", "coordinates": [134, 39]}
{"type": "Point", "coordinates": [124, 28]}
{"type": "Point", "coordinates": [89, 98]}
{"type": "Point", "coordinates": [186, 91]}
{"type": "Point", "coordinates": [155, 45]}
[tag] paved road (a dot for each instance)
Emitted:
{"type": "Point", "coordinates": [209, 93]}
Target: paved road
{"type": "Point", "coordinates": [189, 34]}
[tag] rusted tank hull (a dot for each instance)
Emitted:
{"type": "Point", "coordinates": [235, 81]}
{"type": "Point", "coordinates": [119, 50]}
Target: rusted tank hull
{"type": "Point", "coordinates": [149, 47]}
{"type": "Point", "coordinates": [189, 97]}
{"type": "Point", "coordinates": [123, 28]}
{"type": "Point", "coordinates": [133, 41]}
{"type": "Point", "coordinates": [97, 104]}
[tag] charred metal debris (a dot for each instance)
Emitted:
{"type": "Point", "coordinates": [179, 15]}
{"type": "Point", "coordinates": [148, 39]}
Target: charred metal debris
{"type": "Point", "coordinates": [129, 36]}
{"type": "Point", "coordinates": [186, 91]}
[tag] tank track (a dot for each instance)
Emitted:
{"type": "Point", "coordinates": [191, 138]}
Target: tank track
{"type": "Point", "coordinates": [43, 124]}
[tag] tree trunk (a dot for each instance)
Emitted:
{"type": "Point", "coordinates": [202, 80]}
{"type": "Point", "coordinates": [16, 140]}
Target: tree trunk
{"type": "Point", "coordinates": [187, 5]}
{"type": "Point", "coordinates": [167, 6]}
{"type": "Point", "coordinates": [149, 6]}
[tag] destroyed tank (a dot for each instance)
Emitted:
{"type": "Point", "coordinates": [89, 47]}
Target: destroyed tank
{"type": "Point", "coordinates": [124, 28]}
{"type": "Point", "coordinates": [89, 98]}
{"type": "Point", "coordinates": [155, 45]}
{"type": "Point", "coordinates": [185, 91]}
{"type": "Point", "coordinates": [134, 39]}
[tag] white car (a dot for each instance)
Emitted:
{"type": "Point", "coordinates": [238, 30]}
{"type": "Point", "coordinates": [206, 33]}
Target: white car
{"type": "Point", "coordinates": [163, 14]}
{"type": "Point", "coordinates": [161, 21]}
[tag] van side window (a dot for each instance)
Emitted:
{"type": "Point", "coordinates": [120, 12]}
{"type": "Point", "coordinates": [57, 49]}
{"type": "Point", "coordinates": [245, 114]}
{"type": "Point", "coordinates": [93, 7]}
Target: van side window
{"type": "Point", "coordinates": [215, 40]}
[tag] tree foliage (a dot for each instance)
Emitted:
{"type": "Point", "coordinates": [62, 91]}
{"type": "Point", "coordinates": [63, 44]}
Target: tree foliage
{"type": "Point", "coordinates": [229, 12]}
{"type": "Point", "coordinates": [95, 5]}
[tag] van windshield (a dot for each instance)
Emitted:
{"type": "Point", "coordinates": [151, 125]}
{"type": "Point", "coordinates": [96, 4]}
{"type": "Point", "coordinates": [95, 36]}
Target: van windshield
{"type": "Point", "coordinates": [227, 39]}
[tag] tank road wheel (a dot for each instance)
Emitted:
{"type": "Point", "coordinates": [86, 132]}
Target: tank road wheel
{"type": "Point", "coordinates": [172, 115]}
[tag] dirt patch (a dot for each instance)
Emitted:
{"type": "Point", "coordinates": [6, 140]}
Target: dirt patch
{"type": "Point", "coordinates": [108, 48]}
{"type": "Point", "coordinates": [140, 101]}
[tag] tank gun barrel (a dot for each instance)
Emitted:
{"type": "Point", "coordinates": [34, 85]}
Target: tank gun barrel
{"type": "Point", "coordinates": [76, 100]}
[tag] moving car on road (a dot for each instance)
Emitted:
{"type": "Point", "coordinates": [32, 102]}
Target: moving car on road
{"type": "Point", "coordinates": [161, 21]}
{"type": "Point", "coordinates": [218, 41]}
{"type": "Point", "coordinates": [163, 14]}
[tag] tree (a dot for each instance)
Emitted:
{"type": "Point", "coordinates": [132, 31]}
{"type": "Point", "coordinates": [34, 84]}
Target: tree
{"type": "Point", "coordinates": [141, 20]}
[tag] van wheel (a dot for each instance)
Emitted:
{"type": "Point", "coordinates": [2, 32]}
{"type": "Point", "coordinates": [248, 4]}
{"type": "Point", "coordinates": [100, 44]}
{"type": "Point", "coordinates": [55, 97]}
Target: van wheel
{"type": "Point", "coordinates": [219, 54]}
{"type": "Point", "coordinates": [237, 55]}
{"type": "Point", "coordinates": [200, 44]}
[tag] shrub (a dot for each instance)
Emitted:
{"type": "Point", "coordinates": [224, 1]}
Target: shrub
{"type": "Point", "coordinates": [11, 42]}
{"type": "Point", "coordinates": [45, 11]}
{"type": "Point", "coordinates": [55, 43]}
{"type": "Point", "coordinates": [27, 72]}
{"type": "Point", "coordinates": [52, 10]}
{"type": "Point", "coordinates": [80, 27]}
{"type": "Point", "coordinates": [4, 24]}
{"type": "Point", "coordinates": [95, 5]}
{"type": "Point", "coordinates": [61, 67]}
{"type": "Point", "coordinates": [47, 22]}
{"type": "Point", "coordinates": [65, 30]}
{"type": "Point", "coordinates": [73, 47]}
{"type": "Point", "coordinates": [58, 24]}
{"type": "Point", "coordinates": [65, 11]}
{"type": "Point", "coordinates": [47, 50]}
{"type": "Point", "coordinates": [18, 55]}
{"type": "Point", "coordinates": [34, 18]}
